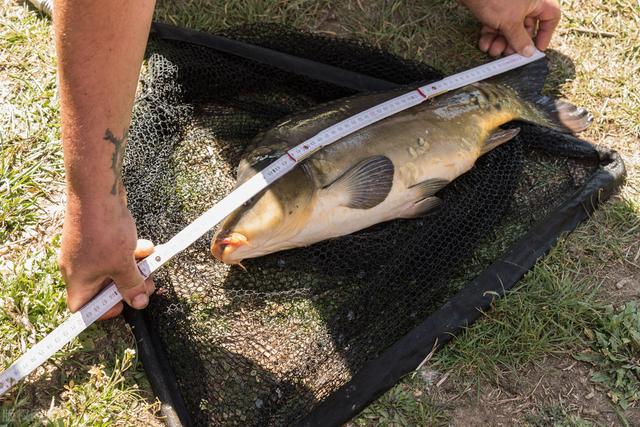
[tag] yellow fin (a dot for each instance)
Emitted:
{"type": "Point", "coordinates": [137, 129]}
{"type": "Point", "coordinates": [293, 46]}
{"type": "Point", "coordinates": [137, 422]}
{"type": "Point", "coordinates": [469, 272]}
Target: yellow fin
{"type": "Point", "coordinates": [497, 138]}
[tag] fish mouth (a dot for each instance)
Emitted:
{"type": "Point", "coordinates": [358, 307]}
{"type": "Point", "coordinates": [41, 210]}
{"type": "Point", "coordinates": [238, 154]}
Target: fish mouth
{"type": "Point", "coordinates": [223, 247]}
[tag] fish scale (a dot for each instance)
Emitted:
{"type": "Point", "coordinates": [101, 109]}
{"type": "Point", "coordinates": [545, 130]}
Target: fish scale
{"type": "Point", "coordinates": [110, 296]}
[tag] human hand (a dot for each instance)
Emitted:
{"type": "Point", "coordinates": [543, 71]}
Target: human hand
{"type": "Point", "coordinates": [99, 244]}
{"type": "Point", "coordinates": [512, 25]}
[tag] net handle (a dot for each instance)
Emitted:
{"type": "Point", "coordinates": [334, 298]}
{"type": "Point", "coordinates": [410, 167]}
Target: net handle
{"type": "Point", "coordinates": [284, 61]}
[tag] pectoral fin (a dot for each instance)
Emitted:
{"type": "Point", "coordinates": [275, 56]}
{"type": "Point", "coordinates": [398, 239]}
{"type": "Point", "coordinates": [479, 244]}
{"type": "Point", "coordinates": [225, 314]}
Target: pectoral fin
{"type": "Point", "coordinates": [498, 137]}
{"type": "Point", "coordinates": [366, 184]}
{"type": "Point", "coordinates": [423, 196]}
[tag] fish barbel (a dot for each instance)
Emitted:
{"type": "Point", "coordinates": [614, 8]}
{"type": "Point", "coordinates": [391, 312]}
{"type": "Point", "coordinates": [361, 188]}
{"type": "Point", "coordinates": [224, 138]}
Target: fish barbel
{"type": "Point", "coordinates": [390, 169]}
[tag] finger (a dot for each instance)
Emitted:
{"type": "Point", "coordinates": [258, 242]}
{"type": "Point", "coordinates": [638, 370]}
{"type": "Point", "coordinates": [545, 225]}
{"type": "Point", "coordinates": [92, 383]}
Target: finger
{"type": "Point", "coordinates": [509, 50]}
{"type": "Point", "coordinates": [519, 40]}
{"type": "Point", "coordinates": [530, 25]}
{"type": "Point", "coordinates": [149, 286]}
{"type": "Point", "coordinates": [487, 35]}
{"type": "Point", "coordinates": [546, 26]}
{"type": "Point", "coordinates": [144, 248]}
{"type": "Point", "coordinates": [485, 42]}
{"type": "Point", "coordinates": [117, 309]}
{"type": "Point", "coordinates": [130, 283]}
{"type": "Point", "coordinates": [498, 46]}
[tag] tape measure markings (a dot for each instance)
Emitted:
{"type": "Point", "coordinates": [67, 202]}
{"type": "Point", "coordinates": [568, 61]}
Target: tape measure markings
{"type": "Point", "coordinates": [110, 296]}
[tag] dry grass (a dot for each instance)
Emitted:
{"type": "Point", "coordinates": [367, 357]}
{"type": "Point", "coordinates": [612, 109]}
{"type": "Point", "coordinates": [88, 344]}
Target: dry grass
{"type": "Point", "coordinates": [595, 65]}
{"type": "Point", "coordinates": [80, 385]}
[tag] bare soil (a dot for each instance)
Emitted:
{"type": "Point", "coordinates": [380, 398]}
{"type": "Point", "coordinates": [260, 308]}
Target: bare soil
{"type": "Point", "coordinates": [521, 398]}
{"type": "Point", "coordinates": [557, 383]}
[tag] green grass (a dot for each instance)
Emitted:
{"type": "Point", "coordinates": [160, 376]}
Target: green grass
{"type": "Point", "coordinates": [407, 404]}
{"type": "Point", "coordinates": [556, 416]}
{"type": "Point", "coordinates": [31, 301]}
{"type": "Point", "coordinates": [95, 382]}
{"type": "Point", "coordinates": [30, 158]}
{"type": "Point", "coordinates": [615, 351]}
{"type": "Point", "coordinates": [18, 207]}
{"type": "Point", "coordinates": [548, 310]}
{"type": "Point", "coordinates": [540, 316]}
{"type": "Point", "coordinates": [80, 385]}
{"type": "Point", "coordinates": [103, 396]}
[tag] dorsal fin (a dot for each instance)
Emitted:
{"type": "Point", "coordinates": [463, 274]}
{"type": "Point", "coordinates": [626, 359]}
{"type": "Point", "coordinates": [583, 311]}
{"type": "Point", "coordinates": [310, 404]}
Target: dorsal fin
{"type": "Point", "coordinates": [527, 81]}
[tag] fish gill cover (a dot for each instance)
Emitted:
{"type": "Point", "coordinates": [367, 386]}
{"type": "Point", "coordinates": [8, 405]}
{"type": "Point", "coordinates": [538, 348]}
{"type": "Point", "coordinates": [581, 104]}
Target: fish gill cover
{"type": "Point", "coordinates": [266, 345]}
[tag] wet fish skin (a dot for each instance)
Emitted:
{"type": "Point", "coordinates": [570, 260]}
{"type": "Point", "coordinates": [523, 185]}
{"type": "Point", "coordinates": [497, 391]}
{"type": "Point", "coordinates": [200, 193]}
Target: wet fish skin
{"type": "Point", "coordinates": [390, 169]}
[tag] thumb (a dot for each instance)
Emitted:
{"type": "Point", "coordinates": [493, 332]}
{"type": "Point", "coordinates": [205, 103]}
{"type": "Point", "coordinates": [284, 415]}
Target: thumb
{"type": "Point", "coordinates": [130, 283]}
{"type": "Point", "coordinates": [144, 248]}
{"type": "Point", "coordinates": [519, 39]}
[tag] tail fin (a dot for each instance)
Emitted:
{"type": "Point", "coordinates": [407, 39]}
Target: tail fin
{"type": "Point", "coordinates": [564, 116]}
{"type": "Point", "coordinates": [527, 82]}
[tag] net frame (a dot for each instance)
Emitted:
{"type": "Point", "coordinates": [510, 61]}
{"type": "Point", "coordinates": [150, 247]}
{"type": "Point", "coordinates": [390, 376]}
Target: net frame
{"type": "Point", "coordinates": [462, 309]}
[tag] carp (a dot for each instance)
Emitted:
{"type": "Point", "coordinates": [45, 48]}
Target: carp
{"type": "Point", "coordinates": [391, 169]}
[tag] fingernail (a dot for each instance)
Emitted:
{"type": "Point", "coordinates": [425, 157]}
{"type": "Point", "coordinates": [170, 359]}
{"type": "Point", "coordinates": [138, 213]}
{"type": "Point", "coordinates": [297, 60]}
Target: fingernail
{"type": "Point", "coordinates": [140, 301]}
{"type": "Point", "coordinates": [528, 51]}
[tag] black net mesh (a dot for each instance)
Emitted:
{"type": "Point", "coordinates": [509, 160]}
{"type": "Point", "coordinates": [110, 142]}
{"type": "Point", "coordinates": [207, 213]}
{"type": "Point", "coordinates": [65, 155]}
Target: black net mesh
{"type": "Point", "coordinates": [265, 345]}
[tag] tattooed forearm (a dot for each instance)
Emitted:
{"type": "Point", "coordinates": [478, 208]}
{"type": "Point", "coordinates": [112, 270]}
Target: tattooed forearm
{"type": "Point", "coordinates": [116, 158]}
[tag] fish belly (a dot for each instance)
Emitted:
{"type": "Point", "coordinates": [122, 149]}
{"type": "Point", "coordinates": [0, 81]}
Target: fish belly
{"type": "Point", "coordinates": [446, 159]}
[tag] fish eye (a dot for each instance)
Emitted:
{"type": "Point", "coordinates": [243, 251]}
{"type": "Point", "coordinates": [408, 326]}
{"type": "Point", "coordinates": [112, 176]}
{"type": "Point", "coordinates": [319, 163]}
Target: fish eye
{"type": "Point", "coordinates": [248, 202]}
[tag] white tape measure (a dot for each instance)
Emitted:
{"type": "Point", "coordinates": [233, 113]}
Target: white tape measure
{"type": "Point", "coordinates": [110, 296]}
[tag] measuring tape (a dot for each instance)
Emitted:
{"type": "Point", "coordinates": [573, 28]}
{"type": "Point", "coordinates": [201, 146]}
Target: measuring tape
{"type": "Point", "coordinates": [110, 296]}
